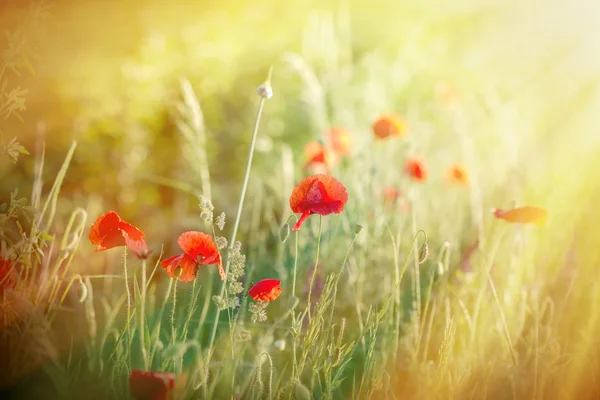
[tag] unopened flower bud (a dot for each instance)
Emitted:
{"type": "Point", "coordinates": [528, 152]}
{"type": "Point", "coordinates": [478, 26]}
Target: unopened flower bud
{"type": "Point", "coordinates": [265, 91]}
{"type": "Point", "coordinates": [284, 232]}
{"type": "Point", "coordinates": [357, 229]}
{"type": "Point", "coordinates": [423, 253]}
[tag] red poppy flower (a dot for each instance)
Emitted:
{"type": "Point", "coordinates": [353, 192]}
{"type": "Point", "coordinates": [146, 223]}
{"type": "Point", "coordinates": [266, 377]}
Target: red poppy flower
{"type": "Point", "coordinates": [416, 169]}
{"type": "Point", "coordinates": [317, 194]}
{"type": "Point", "coordinates": [317, 153]}
{"type": "Point", "coordinates": [390, 125]}
{"type": "Point", "coordinates": [147, 385]}
{"type": "Point", "coordinates": [109, 231]}
{"type": "Point", "coordinates": [535, 215]}
{"type": "Point", "coordinates": [199, 249]}
{"type": "Point", "coordinates": [458, 174]}
{"type": "Point", "coordinates": [8, 278]}
{"type": "Point", "coordinates": [266, 290]}
{"type": "Point", "coordinates": [340, 141]}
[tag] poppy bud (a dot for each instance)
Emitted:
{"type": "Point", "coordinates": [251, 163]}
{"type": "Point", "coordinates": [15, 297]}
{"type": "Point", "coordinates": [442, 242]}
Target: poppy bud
{"type": "Point", "coordinates": [357, 229]}
{"type": "Point", "coordinates": [284, 232]}
{"type": "Point", "coordinates": [423, 253]}
{"type": "Point", "coordinates": [265, 91]}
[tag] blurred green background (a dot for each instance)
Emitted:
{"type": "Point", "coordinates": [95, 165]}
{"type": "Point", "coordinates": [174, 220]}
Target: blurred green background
{"type": "Point", "coordinates": [108, 75]}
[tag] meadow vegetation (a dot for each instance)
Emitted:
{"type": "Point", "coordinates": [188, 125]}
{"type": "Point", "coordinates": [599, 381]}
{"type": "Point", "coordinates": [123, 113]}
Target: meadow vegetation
{"type": "Point", "coordinates": [384, 200]}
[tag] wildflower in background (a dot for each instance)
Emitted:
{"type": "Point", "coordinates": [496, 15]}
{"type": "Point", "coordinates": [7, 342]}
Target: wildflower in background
{"type": "Point", "coordinates": [199, 249]}
{"type": "Point", "coordinates": [415, 168]}
{"type": "Point", "coordinates": [8, 276]}
{"type": "Point", "coordinates": [258, 311]}
{"type": "Point", "coordinates": [317, 194]}
{"type": "Point", "coordinates": [109, 231]}
{"type": "Point", "coordinates": [390, 194]}
{"type": "Point", "coordinates": [221, 221]}
{"type": "Point", "coordinates": [221, 242]}
{"type": "Point", "coordinates": [340, 141]}
{"type": "Point", "coordinates": [534, 215]}
{"type": "Point", "coordinates": [237, 264]}
{"type": "Point", "coordinates": [458, 174]}
{"type": "Point", "coordinates": [265, 290]}
{"type": "Point", "coordinates": [147, 385]}
{"type": "Point", "coordinates": [319, 155]}
{"type": "Point", "coordinates": [206, 210]}
{"type": "Point", "coordinates": [390, 125]}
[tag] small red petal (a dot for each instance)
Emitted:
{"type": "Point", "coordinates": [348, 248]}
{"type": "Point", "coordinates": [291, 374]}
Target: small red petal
{"type": "Point", "coordinates": [138, 247]}
{"type": "Point", "coordinates": [301, 220]}
{"type": "Point", "coordinates": [266, 290]}
{"type": "Point", "coordinates": [133, 232]}
{"type": "Point", "coordinates": [147, 385]}
{"type": "Point", "coordinates": [189, 267]}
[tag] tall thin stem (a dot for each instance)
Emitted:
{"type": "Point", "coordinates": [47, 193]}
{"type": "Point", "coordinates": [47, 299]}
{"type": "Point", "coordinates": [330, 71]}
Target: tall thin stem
{"type": "Point", "coordinates": [128, 293]}
{"type": "Point", "coordinates": [240, 205]}
{"type": "Point", "coordinates": [173, 328]}
{"type": "Point", "coordinates": [143, 316]}
{"type": "Point", "coordinates": [312, 280]}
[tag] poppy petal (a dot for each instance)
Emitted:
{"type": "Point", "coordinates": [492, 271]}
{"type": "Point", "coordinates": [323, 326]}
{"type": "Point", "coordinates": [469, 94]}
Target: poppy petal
{"type": "Point", "coordinates": [133, 232]}
{"type": "Point", "coordinates": [112, 239]}
{"type": "Point", "coordinates": [199, 244]}
{"type": "Point", "coordinates": [301, 220]}
{"type": "Point", "coordinates": [104, 224]}
{"type": "Point", "coordinates": [527, 214]}
{"type": "Point", "coordinates": [189, 267]}
{"type": "Point", "coordinates": [266, 290]}
{"type": "Point", "coordinates": [147, 385]}
{"type": "Point", "coordinates": [137, 246]}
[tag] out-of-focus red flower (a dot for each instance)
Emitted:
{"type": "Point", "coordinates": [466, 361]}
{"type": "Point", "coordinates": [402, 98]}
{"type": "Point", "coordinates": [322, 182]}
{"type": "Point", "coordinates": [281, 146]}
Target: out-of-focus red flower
{"type": "Point", "coordinates": [340, 141]}
{"type": "Point", "coordinates": [317, 153]}
{"type": "Point", "coordinates": [527, 214]}
{"type": "Point", "coordinates": [148, 385]}
{"type": "Point", "coordinates": [392, 196]}
{"type": "Point", "coordinates": [415, 168]}
{"type": "Point", "coordinates": [317, 194]}
{"type": "Point", "coordinates": [109, 231]}
{"type": "Point", "coordinates": [199, 249]}
{"type": "Point", "coordinates": [390, 125]}
{"type": "Point", "coordinates": [8, 276]}
{"type": "Point", "coordinates": [458, 174]}
{"type": "Point", "coordinates": [266, 290]}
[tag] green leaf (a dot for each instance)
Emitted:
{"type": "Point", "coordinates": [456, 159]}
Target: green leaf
{"type": "Point", "coordinates": [44, 236]}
